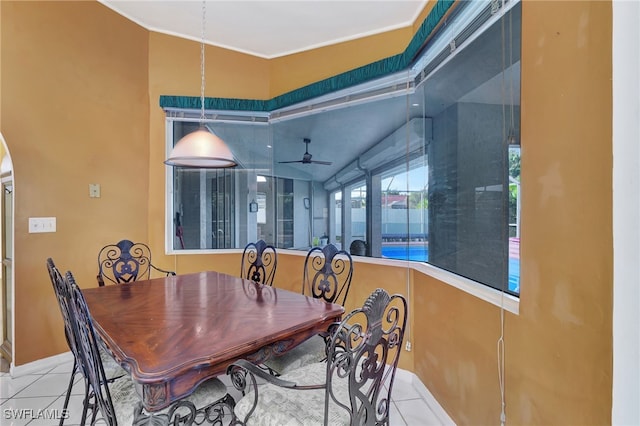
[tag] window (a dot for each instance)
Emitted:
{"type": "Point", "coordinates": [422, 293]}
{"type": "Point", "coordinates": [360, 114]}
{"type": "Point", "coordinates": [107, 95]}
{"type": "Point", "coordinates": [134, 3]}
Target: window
{"type": "Point", "coordinates": [422, 165]}
{"type": "Point", "coordinates": [355, 201]}
{"type": "Point", "coordinates": [403, 210]}
{"type": "Point", "coordinates": [205, 213]}
{"type": "Point", "coordinates": [335, 218]}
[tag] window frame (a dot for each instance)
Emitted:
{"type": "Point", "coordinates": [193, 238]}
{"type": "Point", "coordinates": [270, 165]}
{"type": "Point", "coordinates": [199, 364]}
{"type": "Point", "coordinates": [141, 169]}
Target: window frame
{"type": "Point", "coordinates": [368, 179]}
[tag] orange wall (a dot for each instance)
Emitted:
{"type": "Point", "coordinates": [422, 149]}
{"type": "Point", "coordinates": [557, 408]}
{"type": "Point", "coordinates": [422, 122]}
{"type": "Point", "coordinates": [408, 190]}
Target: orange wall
{"type": "Point", "coordinates": [75, 111]}
{"type": "Point", "coordinates": [558, 349]}
{"type": "Point", "coordinates": [297, 70]}
{"type": "Point", "coordinates": [78, 99]}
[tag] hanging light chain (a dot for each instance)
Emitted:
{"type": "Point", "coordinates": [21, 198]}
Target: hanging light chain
{"type": "Point", "coordinates": [204, 17]}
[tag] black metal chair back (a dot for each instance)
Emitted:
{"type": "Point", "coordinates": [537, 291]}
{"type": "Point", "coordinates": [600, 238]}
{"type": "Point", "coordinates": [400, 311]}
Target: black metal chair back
{"type": "Point", "coordinates": [259, 262]}
{"type": "Point", "coordinates": [327, 274]}
{"type": "Point", "coordinates": [125, 262]}
{"type": "Point", "coordinates": [90, 355]}
{"type": "Point", "coordinates": [365, 350]}
{"type": "Point", "coordinates": [357, 380]}
{"type": "Point", "coordinates": [62, 295]}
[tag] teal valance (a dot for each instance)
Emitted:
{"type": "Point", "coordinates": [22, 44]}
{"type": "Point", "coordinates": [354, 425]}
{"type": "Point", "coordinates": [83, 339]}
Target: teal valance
{"type": "Point", "coordinates": [341, 81]}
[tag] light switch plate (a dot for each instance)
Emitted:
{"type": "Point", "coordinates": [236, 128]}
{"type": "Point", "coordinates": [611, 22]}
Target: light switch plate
{"type": "Point", "coordinates": [42, 224]}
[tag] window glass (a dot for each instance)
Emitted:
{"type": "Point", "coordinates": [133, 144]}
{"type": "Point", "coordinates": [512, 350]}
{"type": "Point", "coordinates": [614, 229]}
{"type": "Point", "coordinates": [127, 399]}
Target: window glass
{"type": "Point", "coordinates": [514, 217]}
{"type": "Point", "coordinates": [473, 103]}
{"type": "Point", "coordinates": [205, 213]}
{"type": "Point", "coordinates": [403, 210]}
{"type": "Point", "coordinates": [335, 220]}
{"type": "Point", "coordinates": [355, 214]}
{"type": "Point", "coordinates": [422, 168]}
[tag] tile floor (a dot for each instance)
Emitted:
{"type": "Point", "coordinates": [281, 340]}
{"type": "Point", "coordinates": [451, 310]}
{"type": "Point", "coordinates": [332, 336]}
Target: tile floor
{"type": "Point", "coordinates": [45, 389]}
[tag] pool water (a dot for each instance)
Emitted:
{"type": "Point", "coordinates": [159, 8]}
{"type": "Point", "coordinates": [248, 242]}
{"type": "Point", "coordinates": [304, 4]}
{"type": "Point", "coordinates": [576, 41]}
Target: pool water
{"type": "Point", "coordinates": [421, 254]}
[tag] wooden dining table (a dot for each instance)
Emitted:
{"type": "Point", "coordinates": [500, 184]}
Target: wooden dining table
{"type": "Point", "coordinates": [175, 332]}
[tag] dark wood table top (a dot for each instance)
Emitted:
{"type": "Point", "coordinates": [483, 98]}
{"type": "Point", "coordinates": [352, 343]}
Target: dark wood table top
{"type": "Point", "coordinates": [172, 333]}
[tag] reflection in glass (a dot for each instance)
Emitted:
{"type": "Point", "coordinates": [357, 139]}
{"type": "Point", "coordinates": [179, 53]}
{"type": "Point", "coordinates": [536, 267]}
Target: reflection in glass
{"type": "Point", "coordinates": [427, 172]}
{"type": "Point", "coordinates": [355, 214]}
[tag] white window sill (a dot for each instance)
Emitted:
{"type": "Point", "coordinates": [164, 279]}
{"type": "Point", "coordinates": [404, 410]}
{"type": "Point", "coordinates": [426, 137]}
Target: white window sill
{"type": "Point", "coordinates": [488, 294]}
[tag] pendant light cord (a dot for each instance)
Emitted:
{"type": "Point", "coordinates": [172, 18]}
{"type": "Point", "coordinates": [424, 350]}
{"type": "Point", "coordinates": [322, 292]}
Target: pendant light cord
{"type": "Point", "coordinates": [496, 5]}
{"type": "Point", "coordinates": [407, 108]}
{"type": "Point", "coordinates": [202, 80]}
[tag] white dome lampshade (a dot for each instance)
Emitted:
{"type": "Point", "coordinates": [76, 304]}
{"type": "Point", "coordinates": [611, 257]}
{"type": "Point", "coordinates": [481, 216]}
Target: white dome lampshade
{"type": "Point", "coordinates": [201, 149]}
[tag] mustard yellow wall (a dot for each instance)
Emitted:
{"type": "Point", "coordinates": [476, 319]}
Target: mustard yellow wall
{"type": "Point", "coordinates": [294, 71]}
{"type": "Point", "coordinates": [297, 70]}
{"type": "Point", "coordinates": [558, 349]}
{"type": "Point", "coordinates": [75, 110]}
{"type": "Point", "coordinates": [78, 99]}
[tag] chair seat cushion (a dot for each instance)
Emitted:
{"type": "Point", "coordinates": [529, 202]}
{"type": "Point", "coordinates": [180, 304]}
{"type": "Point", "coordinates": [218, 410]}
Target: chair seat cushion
{"type": "Point", "coordinates": [310, 351]}
{"type": "Point", "coordinates": [125, 399]}
{"type": "Point", "coordinates": [294, 407]}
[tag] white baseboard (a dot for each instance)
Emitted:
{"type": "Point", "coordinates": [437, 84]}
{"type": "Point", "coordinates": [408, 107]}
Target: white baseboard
{"type": "Point", "coordinates": [433, 404]}
{"type": "Point", "coordinates": [41, 364]}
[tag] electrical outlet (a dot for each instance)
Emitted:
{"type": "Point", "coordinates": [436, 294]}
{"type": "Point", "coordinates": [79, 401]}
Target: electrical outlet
{"type": "Point", "coordinates": [94, 190]}
{"type": "Point", "coordinates": [407, 346]}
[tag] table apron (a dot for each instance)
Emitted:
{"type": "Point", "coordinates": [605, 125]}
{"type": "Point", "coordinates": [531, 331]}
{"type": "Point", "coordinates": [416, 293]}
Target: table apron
{"type": "Point", "coordinates": [160, 393]}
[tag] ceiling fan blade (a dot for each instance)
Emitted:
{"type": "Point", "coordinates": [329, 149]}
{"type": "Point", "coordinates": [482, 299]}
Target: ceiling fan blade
{"type": "Point", "coordinates": [306, 157]}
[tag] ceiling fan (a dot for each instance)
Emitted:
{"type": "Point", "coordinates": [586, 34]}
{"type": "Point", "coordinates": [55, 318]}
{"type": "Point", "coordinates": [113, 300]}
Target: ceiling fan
{"type": "Point", "coordinates": [306, 157]}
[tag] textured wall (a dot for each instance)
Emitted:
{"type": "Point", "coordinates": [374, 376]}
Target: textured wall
{"type": "Point", "coordinates": [74, 111]}
{"type": "Point", "coordinates": [558, 349]}
{"type": "Point", "coordinates": [80, 88]}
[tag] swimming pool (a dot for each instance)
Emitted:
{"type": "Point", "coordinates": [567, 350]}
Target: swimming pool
{"type": "Point", "coordinates": [421, 254]}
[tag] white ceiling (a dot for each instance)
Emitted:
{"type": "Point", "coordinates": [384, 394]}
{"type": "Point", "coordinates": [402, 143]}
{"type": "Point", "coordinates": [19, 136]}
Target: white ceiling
{"type": "Point", "coordinates": [270, 28]}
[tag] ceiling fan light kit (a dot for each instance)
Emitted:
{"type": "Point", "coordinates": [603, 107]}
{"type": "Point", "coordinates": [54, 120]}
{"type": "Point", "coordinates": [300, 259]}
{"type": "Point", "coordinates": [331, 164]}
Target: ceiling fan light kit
{"type": "Point", "coordinates": [306, 157]}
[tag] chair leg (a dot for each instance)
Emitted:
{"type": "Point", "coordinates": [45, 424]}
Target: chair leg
{"type": "Point", "coordinates": [85, 403]}
{"type": "Point", "coordinates": [94, 409]}
{"type": "Point", "coordinates": [74, 371]}
{"type": "Point", "coordinates": [67, 396]}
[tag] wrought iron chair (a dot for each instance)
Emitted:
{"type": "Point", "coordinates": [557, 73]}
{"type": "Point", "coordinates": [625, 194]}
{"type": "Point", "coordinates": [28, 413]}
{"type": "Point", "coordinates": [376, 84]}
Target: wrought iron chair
{"type": "Point", "coordinates": [126, 262]}
{"type": "Point", "coordinates": [259, 262]}
{"type": "Point", "coordinates": [327, 276]}
{"type": "Point", "coordinates": [112, 370]}
{"type": "Point", "coordinates": [353, 387]}
{"type": "Point", "coordinates": [118, 402]}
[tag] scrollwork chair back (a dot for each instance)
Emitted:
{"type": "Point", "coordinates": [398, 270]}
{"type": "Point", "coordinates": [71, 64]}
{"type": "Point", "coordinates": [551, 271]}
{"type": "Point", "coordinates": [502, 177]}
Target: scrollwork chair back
{"type": "Point", "coordinates": [90, 354]}
{"type": "Point", "coordinates": [353, 387]}
{"type": "Point", "coordinates": [365, 350]}
{"type": "Point", "coordinates": [259, 262]}
{"type": "Point", "coordinates": [327, 274]}
{"type": "Point", "coordinates": [63, 297]}
{"type": "Point", "coordinates": [126, 262]}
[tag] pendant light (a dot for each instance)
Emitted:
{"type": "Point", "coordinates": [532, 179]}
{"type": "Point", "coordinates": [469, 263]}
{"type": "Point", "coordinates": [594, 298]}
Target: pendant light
{"type": "Point", "coordinates": [201, 149]}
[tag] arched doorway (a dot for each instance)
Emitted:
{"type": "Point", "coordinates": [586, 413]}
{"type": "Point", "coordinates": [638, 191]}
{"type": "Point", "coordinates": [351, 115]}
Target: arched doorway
{"type": "Point", "coordinates": [6, 254]}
